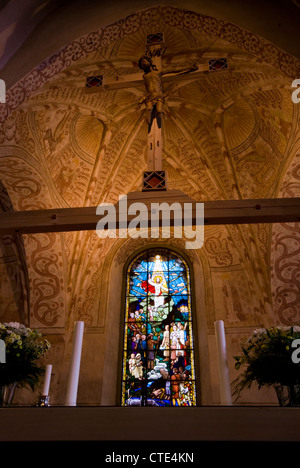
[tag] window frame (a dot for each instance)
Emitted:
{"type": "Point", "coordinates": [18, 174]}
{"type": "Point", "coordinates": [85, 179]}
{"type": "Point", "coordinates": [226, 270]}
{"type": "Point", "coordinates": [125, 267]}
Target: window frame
{"type": "Point", "coordinates": [193, 317]}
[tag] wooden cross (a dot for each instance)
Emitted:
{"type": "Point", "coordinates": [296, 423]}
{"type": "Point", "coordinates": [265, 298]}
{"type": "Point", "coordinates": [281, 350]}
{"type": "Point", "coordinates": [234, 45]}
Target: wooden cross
{"type": "Point", "coordinates": [215, 212]}
{"type": "Point", "coordinates": [152, 79]}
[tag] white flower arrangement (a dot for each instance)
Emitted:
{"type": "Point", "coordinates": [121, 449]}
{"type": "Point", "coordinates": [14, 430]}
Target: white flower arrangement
{"type": "Point", "coordinates": [267, 359]}
{"type": "Point", "coordinates": [24, 348]}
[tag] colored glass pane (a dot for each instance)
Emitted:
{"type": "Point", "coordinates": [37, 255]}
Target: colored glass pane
{"type": "Point", "coordinates": [158, 353]}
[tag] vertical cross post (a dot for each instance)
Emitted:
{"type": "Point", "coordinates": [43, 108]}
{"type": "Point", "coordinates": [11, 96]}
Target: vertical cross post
{"type": "Point", "coordinates": [154, 178]}
{"type": "Point", "coordinates": [155, 148]}
{"type": "Point", "coordinates": [155, 134]}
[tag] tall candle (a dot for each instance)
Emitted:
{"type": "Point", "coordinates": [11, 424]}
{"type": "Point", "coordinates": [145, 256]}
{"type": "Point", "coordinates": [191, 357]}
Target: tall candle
{"type": "Point", "coordinates": [46, 386]}
{"type": "Point", "coordinates": [73, 379]}
{"type": "Point", "coordinates": [223, 364]}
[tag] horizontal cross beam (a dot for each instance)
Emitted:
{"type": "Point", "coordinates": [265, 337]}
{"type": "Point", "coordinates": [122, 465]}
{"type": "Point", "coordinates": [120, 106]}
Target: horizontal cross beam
{"type": "Point", "coordinates": [222, 212]}
{"type": "Point", "coordinates": [136, 79]}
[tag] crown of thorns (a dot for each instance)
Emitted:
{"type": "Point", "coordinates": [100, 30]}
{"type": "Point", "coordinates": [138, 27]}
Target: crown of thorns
{"type": "Point", "coordinates": [149, 59]}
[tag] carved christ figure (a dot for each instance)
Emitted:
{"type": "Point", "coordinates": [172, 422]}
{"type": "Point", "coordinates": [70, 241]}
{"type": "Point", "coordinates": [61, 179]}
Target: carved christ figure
{"type": "Point", "coordinates": [154, 99]}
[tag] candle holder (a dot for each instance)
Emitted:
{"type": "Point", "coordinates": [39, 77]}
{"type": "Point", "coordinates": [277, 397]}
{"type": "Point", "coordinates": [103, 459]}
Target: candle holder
{"type": "Point", "coordinates": [44, 400]}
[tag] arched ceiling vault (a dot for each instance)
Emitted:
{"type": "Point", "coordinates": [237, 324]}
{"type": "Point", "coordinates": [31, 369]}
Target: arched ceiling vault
{"type": "Point", "coordinates": [34, 30]}
{"type": "Point", "coordinates": [228, 134]}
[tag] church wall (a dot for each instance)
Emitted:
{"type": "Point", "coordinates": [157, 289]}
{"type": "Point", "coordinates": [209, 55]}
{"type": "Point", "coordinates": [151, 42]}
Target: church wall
{"type": "Point", "coordinates": [14, 285]}
{"type": "Point", "coordinates": [12, 299]}
{"type": "Point", "coordinates": [218, 295]}
{"type": "Point", "coordinates": [111, 370]}
{"type": "Point", "coordinates": [285, 250]}
{"type": "Point", "coordinates": [68, 148]}
{"type": "Point", "coordinates": [114, 323]}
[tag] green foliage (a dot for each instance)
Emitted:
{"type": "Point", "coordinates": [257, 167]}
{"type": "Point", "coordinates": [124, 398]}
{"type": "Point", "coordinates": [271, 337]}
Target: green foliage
{"type": "Point", "coordinates": [266, 359]}
{"type": "Point", "coordinates": [24, 348]}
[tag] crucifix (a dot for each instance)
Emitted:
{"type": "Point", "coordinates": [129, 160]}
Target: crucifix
{"type": "Point", "coordinates": [154, 178]}
{"type": "Point", "coordinates": [216, 212]}
{"type": "Point", "coordinates": [152, 78]}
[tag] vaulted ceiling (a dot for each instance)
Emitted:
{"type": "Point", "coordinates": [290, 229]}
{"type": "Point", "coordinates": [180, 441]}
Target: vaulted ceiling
{"type": "Point", "coordinates": [226, 134]}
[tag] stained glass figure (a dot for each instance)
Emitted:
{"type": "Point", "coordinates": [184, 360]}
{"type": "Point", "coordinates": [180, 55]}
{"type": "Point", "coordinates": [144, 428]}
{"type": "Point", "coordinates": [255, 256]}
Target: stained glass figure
{"type": "Point", "coordinates": [158, 354]}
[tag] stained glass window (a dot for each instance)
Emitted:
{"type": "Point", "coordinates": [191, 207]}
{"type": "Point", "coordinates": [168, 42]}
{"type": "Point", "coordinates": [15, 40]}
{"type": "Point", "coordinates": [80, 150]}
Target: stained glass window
{"type": "Point", "coordinates": [158, 354]}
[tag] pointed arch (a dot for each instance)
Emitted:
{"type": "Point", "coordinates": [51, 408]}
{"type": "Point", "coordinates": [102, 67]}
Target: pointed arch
{"type": "Point", "coordinates": [158, 366]}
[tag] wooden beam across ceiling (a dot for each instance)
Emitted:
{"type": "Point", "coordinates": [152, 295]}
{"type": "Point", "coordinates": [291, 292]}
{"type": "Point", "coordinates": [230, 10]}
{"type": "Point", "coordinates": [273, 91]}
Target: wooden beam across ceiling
{"type": "Point", "coordinates": [221, 212]}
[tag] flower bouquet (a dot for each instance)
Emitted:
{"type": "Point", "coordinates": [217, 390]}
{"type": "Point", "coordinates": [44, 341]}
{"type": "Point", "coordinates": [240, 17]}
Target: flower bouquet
{"type": "Point", "coordinates": [23, 347]}
{"type": "Point", "coordinates": [267, 360]}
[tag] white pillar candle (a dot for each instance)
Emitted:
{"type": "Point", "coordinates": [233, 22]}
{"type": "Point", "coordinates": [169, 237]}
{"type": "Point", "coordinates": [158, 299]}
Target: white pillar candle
{"type": "Point", "coordinates": [72, 386]}
{"type": "Point", "coordinates": [223, 364]}
{"type": "Point", "coordinates": [46, 386]}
